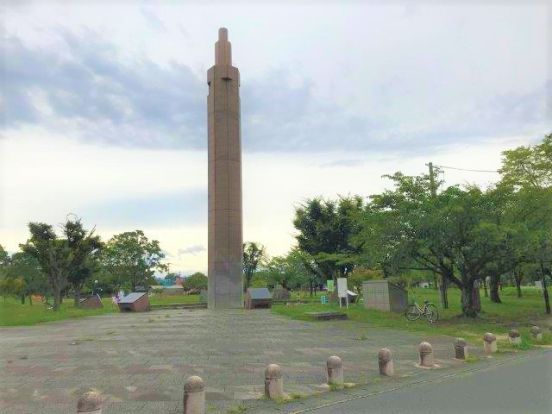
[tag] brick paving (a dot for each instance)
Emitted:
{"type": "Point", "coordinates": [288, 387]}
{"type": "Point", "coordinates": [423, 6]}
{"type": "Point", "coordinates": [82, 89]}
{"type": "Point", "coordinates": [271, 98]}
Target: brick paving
{"type": "Point", "coordinates": [139, 361]}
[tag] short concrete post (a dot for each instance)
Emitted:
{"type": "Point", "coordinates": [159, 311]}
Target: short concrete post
{"type": "Point", "coordinates": [385, 362]}
{"type": "Point", "coordinates": [460, 348]}
{"type": "Point", "coordinates": [514, 337]}
{"type": "Point", "coordinates": [194, 396]}
{"type": "Point", "coordinates": [274, 384]}
{"type": "Point", "coordinates": [426, 354]}
{"type": "Point", "coordinates": [536, 333]}
{"type": "Point", "coordinates": [489, 343]}
{"type": "Point", "coordinates": [334, 367]}
{"type": "Point", "coordinates": [90, 402]}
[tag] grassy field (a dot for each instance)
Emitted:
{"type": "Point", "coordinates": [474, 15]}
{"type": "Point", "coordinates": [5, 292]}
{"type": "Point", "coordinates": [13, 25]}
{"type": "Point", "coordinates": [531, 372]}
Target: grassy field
{"type": "Point", "coordinates": [13, 313]}
{"type": "Point", "coordinates": [497, 318]}
{"type": "Point", "coordinates": [160, 299]}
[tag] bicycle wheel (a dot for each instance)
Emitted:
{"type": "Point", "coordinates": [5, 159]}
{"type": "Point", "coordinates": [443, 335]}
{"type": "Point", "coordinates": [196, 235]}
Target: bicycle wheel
{"type": "Point", "coordinates": [432, 314]}
{"type": "Point", "coordinates": [412, 313]}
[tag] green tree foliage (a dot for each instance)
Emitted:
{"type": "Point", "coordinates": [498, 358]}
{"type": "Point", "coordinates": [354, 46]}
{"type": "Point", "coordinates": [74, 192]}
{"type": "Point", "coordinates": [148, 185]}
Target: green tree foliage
{"type": "Point", "coordinates": [54, 256]}
{"type": "Point", "coordinates": [197, 281]}
{"type": "Point", "coordinates": [65, 260]}
{"type": "Point", "coordinates": [361, 274]}
{"type": "Point", "coordinates": [132, 259]}
{"type": "Point", "coordinates": [327, 231]}
{"type": "Point", "coordinates": [170, 278]}
{"type": "Point", "coordinates": [527, 177]}
{"type": "Point", "coordinates": [254, 255]}
{"type": "Point", "coordinates": [85, 248]}
{"type": "Point", "coordinates": [26, 268]}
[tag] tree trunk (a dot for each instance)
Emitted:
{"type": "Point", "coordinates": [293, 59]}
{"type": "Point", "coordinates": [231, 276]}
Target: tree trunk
{"type": "Point", "coordinates": [545, 290]}
{"type": "Point", "coordinates": [495, 297]}
{"type": "Point", "coordinates": [444, 292]}
{"type": "Point", "coordinates": [22, 299]}
{"type": "Point", "coordinates": [485, 287]}
{"type": "Point", "coordinates": [57, 298]}
{"type": "Point", "coordinates": [31, 299]}
{"type": "Point", "coordinates": [77, 298]}
{"type": "Point", "coordinates": [469, 309]}
{"type": "Point", "coordinates": [518, 286]}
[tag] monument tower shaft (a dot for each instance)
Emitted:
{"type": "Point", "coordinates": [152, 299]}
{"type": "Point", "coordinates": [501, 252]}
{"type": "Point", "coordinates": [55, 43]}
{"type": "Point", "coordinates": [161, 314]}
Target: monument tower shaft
{"type": "Point", "coordinates": [225, 252]}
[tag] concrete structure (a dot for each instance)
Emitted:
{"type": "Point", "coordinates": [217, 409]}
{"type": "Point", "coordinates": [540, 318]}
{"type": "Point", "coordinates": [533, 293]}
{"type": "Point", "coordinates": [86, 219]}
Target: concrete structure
{"type": "Point", "coordinates": [489, 343]}
{"type": "Point", "coordinates": [91, 402]}
{"type": "Point", "coordinates": [385, 362]}
{"type": "Point", "coordinates": [536, 333]}
{"type": "Point", "coordinates": [258, 298]}
{"type": "Point", "coordinates": [460, 349]}
{"type": "Point", "coordinates": [425, 350]}
{"type": "Point", "coordinates": [514, 337]}
{"type": "Point", "coordinates": [91, 302]}
{"type": "Point", "coordinates": [274, 384]}
{"type": "Point", "coordinates": [225, 194]}
{"type": "Point", "coordinates": [334, 371]}
{"type": "Point", "coordinates": [382, 295]}
{"type": "Point", "coordinates": [135, 302]}
{"type": "Point", "coordinates": [194, 396]}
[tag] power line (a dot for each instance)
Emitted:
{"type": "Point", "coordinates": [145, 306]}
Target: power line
{"type": "Point", "coordinates": [467, 169]}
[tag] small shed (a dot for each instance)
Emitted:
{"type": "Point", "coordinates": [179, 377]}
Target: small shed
{"type": "Point", "coordinates": [135, 302]}
{"type": "Point", "coordinates": [385, 296]}
{"type": "Point", "coordinates": [258, 298]}
{"type": "Point", "coordinates": [91, 302]}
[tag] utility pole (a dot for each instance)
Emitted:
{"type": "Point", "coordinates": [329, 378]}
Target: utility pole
{"type": "Point", "coordinates": [433, 190]}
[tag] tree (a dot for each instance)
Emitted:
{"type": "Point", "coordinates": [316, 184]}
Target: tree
{"type": "Point", "coordinates": [53, 255]}
{"type": "Point", "coordinates": [253, 256]}
{"type": "Point", "coordinates": [528, 167]}
{"type": "Point", "coordinates": [327, 231]}
{"type": "Point", "coordinates": [453, 233]}
{"type": "Point", "coordinates": [197, 281]}
{"type": "Point", "coordinates": [133, 258]}
{"type": "Point", "coordinates": [86, 248]}
{"type": "Point", "coordinates": [26, 268]}
{"type": "Point", "coordinates": [527, 174]}
{"type": "Point", "coordinates": [361, 274]}
{"type": "Point", "coordinates": [170, 278]}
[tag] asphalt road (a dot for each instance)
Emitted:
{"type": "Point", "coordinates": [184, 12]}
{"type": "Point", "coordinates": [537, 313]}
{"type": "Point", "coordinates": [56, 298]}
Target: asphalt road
{"type": "Point", "coordinates": [521, 386]}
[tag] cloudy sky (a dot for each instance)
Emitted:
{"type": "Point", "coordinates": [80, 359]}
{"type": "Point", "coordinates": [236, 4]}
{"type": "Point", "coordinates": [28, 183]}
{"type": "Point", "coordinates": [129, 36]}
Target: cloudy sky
{"type": "Point", "coordinates": [104, 107]}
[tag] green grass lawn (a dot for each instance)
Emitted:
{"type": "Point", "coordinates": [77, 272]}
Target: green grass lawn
{"type": "Point", "coordinates": [13, 313]}
{"type": "Point", "coordinates": [496, 318]}
{"type": "Point", "coordinates": [160, 299]}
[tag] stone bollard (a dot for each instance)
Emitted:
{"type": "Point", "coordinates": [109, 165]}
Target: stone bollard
{"type": "Point", "coordinates": [514, 337]}
{"type": "Point", "coordinates": [274, 384]}
{"type": "Point", "coordinates": [426, 354]}
{"type": "Point", "coordinates": [385, 361]}
{"type": "Point", "coordinates": [90, 402]}
{"type": "Point", "coordinates": [489, 343]}
{"type": "Point", "coordinates": [536, 333]}
{"type": "Point", "coordinates": [194, 396]}
{"type": "Point", "coordinates": [460, 348]}
{"type": "Point", "coordinates": [334, 368]}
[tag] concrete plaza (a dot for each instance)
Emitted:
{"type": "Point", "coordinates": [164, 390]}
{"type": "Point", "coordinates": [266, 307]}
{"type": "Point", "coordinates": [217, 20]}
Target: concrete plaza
{"type": "Point", "coordinates": [140, 361]}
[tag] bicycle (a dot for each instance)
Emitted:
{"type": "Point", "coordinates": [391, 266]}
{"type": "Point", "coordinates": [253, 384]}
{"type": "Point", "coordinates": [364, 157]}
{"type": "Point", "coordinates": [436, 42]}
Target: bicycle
{"type": "Point", "coordinates": [429, 310]}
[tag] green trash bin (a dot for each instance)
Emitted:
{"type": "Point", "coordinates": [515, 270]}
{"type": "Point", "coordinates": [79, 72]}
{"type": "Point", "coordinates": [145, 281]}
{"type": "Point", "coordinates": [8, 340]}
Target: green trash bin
{"type": "Point", "coordinates": [324, 300]}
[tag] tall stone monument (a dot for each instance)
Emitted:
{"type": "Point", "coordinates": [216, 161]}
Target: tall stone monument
{"type": "Point", "coordinates": [225, 194]}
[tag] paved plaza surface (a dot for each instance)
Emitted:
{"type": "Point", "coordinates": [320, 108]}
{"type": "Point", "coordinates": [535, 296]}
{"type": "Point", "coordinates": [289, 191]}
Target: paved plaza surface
{"type": "Point", "coordinates": [515, 385]}
{"type": "Point", "coordinates": [139, 361]}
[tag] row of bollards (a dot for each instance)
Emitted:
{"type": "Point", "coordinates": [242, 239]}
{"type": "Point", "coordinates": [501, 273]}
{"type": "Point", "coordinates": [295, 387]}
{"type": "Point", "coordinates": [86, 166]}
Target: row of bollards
{"type": "Point", "coordinates": [194, 388]}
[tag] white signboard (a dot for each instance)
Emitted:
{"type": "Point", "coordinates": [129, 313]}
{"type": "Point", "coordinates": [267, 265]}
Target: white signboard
{"type": "Point", "coordinates": [342, 287]}
{"type": "Point", "coordinates": [342, 291]}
